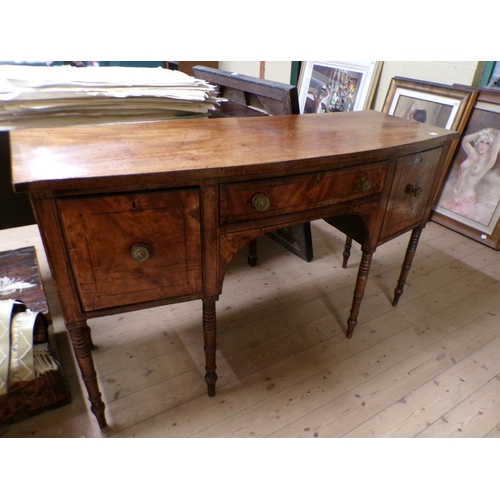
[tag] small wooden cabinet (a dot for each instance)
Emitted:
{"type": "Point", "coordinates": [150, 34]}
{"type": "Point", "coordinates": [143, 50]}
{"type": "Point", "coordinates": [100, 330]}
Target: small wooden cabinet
{"type": "Point", "coordinates": [161, 223]}
{"type": "Point", "coordinates": [48, 390]}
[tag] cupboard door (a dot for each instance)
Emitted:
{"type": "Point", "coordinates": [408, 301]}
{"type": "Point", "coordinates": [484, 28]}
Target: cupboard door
{"type": "Point", "coordinates": [132, 248]}
{"type": "Point", "coordinates": [411, 192]}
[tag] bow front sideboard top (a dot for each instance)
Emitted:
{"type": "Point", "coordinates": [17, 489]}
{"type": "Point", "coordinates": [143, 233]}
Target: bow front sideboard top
{"type": "Point", "coordinates": [147, 214]}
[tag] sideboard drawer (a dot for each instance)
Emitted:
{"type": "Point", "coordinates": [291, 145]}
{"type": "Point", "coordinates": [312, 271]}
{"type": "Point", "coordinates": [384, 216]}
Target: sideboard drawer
{"type": "Point", "coordinates": [135, 247]}
{"type": "Point", "coordinates": [412, 188]}
{"type": "Point", "coordinates": [244, 201]}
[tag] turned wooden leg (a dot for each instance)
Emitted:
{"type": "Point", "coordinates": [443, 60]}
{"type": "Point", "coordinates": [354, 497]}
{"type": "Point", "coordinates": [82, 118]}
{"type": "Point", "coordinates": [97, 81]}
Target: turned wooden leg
{"type": "Point", "coordinates": [410, 253]}
{"type": "Point", "coordinates": [89, 335]}
{"type": "Point", "coordinates": [81, 346]}
{"type": "Point", "coordinates": [209, 336]}
{"type": "Point", "coordinates": [252, 253]}
{"type": "Point", "coordinates": [364, 269]}
{"type": "Point", "coordinates": [347, 251]}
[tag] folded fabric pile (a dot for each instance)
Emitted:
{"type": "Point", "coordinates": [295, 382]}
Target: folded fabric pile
{"type": "Point", "coordinates": [17, 352]}
{"type": "Point", "coordinates": [38, 96]}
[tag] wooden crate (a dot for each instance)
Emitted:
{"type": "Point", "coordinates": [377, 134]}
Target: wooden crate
{"type": "Point", "coordinates": [50, 390]}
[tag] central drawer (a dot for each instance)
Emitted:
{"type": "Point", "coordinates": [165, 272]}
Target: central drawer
{"type": "Point", "coordinates": [244, 201]}
{"type": "Point", "coordinates": [135, 247]}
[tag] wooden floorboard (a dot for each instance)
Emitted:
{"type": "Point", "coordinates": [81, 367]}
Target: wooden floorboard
{"type": "Point", "coordinates": [429, 367]}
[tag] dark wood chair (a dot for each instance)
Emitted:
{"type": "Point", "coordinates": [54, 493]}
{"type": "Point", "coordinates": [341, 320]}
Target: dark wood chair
{"type": "Point", "coordinates": [249, 96]}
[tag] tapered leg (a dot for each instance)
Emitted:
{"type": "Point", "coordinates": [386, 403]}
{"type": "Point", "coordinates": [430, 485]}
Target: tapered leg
{"type": "Point", "coordinates": [210, 335]}
{"type": "Point", "coordinates": [252, 253]}
{"type": "Point", "coordinates": [363, 271]}
{"type": "Point", "coordinates": [89, 335]}
{"type": "Point", "coordinates": [347, 251]}
{"type": "Point", "coordinates": [410, 253]}
{"type": "Point", "coordinates": [81, 346]}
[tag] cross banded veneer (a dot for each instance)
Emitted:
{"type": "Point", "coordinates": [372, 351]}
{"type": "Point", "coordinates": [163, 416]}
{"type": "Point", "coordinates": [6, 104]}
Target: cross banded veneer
{"type": "Point", "coordinates": [140, 215]}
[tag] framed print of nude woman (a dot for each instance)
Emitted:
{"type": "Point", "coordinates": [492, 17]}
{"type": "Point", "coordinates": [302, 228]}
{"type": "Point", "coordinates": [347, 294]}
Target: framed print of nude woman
{"type": "Point", "coordinates": [469, 201]}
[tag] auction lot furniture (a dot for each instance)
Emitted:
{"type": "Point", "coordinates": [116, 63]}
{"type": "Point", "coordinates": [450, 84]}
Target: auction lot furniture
{"type": "Point", "coordinates": [140, 215]}
{"type": "Point", "coordinates": [249, 96]}
{"type": "Point", "coordinates": [47, 387]}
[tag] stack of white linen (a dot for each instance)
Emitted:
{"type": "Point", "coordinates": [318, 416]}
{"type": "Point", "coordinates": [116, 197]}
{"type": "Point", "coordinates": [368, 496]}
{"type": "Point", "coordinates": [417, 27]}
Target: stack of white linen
{"type": "Point", "coordinates": [47, 96]}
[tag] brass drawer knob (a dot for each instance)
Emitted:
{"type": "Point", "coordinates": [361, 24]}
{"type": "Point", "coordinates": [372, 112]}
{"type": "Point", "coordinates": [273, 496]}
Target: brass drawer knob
{"type": "Point", "coordinates": [260, 202]}
{"type": "Point", "coordinates": [139, 252]}
{"type": "Point", "coordinates": [364, 184]}
{"type": "Point", "coordinates": [415, 191]}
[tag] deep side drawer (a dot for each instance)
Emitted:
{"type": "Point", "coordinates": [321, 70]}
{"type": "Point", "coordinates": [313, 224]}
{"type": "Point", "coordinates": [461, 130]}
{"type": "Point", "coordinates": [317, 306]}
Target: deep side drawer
{"type": "Point", "coordinates": [135, 247]}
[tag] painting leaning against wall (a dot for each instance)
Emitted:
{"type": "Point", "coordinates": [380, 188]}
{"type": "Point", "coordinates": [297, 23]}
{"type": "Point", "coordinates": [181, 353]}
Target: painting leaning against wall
{"type": "Point", "coordinates": [470, 197]}
{"type": "Point", "coordinates": [333, 86]}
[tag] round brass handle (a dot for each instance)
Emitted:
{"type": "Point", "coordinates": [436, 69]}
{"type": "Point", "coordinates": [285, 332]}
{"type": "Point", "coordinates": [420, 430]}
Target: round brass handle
{"type": "Point", "coordinates": [139, 252]}
{"type": "Point", "coordinates": [261, 202]}
{"type": "Point", "coordinates": [415, 191]}
{"type": "Point", "coordinates": [364, 184]}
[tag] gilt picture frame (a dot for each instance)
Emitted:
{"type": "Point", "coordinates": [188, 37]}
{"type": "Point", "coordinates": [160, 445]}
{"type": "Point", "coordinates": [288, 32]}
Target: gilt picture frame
{"type": "Point", "coordinates": [469, 201]}
{"type": "Point", "coordinates": [332, 86]}
{"type": "Point", "coordinates": [441, 105]}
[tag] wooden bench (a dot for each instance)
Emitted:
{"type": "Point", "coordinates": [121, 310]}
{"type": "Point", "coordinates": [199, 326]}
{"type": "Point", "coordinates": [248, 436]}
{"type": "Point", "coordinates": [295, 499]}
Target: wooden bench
{"type": "Point", "coordinates": [27, 398]}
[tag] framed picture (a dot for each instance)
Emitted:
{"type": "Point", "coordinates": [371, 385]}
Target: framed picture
{"type": "Point", "coordinates": [436, 104]}
{"type": "Point", "coordinates": [447, 106]}
{"type": "Point", "coordinates": [331, 86]}
{"type": "Point", "coordinates": [469, 201]}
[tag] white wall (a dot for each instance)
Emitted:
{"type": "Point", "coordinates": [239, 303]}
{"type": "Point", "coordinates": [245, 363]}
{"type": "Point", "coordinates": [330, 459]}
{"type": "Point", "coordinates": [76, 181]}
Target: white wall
{"type": "Point", "coordinates": [250, 68]}
{"type": "Point", "coordinates": [447, 72]}
{"type": "Point", "coordinates": [278, 71]}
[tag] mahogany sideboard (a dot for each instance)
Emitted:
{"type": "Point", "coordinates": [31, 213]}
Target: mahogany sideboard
{"type": "Point", "coordinates": [146, 214]}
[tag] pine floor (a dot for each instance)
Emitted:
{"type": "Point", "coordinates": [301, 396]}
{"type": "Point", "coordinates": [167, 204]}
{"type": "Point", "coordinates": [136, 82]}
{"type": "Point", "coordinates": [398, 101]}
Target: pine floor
{"type": "Point", "coordinates": [428, 368]}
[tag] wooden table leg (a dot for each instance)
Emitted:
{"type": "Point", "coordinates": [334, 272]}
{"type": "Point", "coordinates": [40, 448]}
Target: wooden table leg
{"type": "Point", "coordinates": [363, 271]}
{"type": "Point", "coordinates": [209, 336]}
{"type": "Point", "coordinates": [252, 253]}
{"type": "Point", "coordinates": [410, 253]}
{"type": "Point", "coordinates": [81, 346]}
{"type": "Point", "coordinates": [89, 335]}
{"type": "Point", "coordinates": [347, 251]}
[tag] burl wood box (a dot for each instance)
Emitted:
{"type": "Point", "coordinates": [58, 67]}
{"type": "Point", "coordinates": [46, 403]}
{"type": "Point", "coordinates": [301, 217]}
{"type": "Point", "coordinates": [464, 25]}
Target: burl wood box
{"type": "Point", "coordinates": [50, 390]}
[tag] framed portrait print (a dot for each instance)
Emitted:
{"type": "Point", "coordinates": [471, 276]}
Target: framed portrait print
{"type": "Point", "coordinates": [436, 104]}
{"type": "Point", "coordinates": [331, 86]}
{"type": "Point", "coordinates": [469, 201]}
{"type": "Point", "coordinates": [447, 106]}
